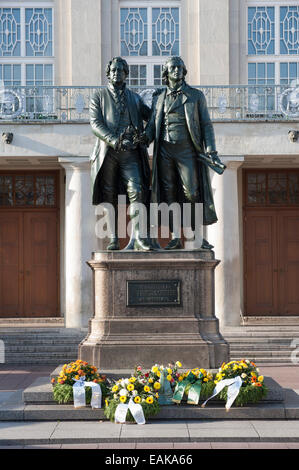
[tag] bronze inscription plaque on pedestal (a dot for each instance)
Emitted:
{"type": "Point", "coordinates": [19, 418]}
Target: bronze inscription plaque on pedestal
{"type": "Point", "coordinates": [153, 293]}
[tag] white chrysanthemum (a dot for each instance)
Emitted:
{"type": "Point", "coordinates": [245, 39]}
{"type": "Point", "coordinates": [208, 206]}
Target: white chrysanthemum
{"type": "Point", "coordinates": [243, 376]}
{"type": "Point", "coordinates": [123, 392]}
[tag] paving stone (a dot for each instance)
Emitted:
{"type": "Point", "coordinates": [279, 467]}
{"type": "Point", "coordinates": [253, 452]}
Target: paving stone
{"type": "Point", "coordinates": [277, 431]}
{"type": "Point", "coordinates": [222, 430]}
{"type": "Point", "coordinates": [154, 445]}
{"type": "Point", "coordinates": [175, 431]}
{"type": "Point", "coordinates": [68, 432]}
{"type": "Point", "coordinates": [192, 445]}
{"type": "Point", "coordinates": [79, 446]}
{"type": "Point", "coordinates": [229, 445]}
{"type": "Point", "coordinates": [267, 445]}
{"type": "Point", "coordinates": [26, 433]}
{"type": "Point", "coordinates": [117, 445]}
{"type": "Point", "coordinates": [45, 446]}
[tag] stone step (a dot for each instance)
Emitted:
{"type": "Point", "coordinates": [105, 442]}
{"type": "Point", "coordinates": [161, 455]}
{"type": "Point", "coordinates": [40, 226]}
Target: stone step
{"type": "Point", "coordinates": [260, 347]}
{"type": "Point", "coordinates": [265, 360]}
{"type": "Point", "coordinates": [38, 358]}
{"type": "Point", "coordinates": [59, 349]}
{"type": "Point", "coordinates": [261, 334]}
{"type": "Point", "coordinates": [259, 340]}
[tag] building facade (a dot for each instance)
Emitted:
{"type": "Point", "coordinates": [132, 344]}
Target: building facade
{"type": "Point", "coordinates": [243, 54]}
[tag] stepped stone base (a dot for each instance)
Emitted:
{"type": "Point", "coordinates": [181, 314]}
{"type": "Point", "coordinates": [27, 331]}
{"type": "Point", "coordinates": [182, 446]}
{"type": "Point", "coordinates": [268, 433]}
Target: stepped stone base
{"type": "Point", "coordinates": [37, 404]}
{"type": "Point", "coordinates": [138, 321]}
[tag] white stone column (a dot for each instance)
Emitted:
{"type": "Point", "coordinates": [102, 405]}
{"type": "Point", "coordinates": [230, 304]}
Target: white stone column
{"type": "Point", "coordinates": [80, 241]}
{"type": "Point", "coordinates": [225, 237]}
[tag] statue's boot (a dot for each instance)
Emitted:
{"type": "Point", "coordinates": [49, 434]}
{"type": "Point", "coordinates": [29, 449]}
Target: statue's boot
{"type": "Point", "coordinates": [112, 218]}
{"type": "Point", "coordinates": [155, 244]}
{"type": "Point", "coordinates": [174, 224]}
{"type": "Point", "coordinates": [206, 245]}
{"type": "Point", "coordinates": [113, 244]}
{"type": "Point", "coordinates": [136, 242]}
{"type": "Point", "coordinates": [174, 244]}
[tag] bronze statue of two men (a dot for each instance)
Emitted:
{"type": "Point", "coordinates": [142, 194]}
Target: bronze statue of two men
{"type": "Point", "coordinates": [184, 148]}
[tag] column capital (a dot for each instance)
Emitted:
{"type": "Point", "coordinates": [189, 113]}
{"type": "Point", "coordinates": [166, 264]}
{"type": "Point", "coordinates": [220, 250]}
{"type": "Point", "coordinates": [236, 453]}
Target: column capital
{"type": "Point", "coordinates": [232, 162]}
{"type": "Point", "coordinates": [75, 163]}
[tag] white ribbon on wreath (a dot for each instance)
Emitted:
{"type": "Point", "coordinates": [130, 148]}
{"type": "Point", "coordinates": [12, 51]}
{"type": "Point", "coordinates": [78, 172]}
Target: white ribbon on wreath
{"type": "Point", "coordinates": [135, 409]}
{"type": "Point", "coordinates": [233, 389]}
{"type": "Point", "coordinates": [79, 393]}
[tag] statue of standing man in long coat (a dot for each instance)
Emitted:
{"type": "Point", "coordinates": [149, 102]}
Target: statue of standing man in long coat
{"type": "Point", "coordinates": [184, 146]}
{"type": "Point", "coordinates": [119, 160]}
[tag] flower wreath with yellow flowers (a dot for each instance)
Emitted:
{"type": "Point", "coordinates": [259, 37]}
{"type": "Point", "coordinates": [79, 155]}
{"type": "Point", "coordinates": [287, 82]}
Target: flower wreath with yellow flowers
{"type": "Point", "coordinates": [137, 389]}
{"type": "Point", "coordinates": [63, 384]}
{"type": "Point", "coordinates": [253, 388]}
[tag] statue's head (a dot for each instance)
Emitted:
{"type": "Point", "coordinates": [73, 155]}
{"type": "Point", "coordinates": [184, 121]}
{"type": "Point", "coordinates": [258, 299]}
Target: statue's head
{"type": "Point", "coordinates": [173, 69]}
{"type": "Point", "coordinates": [117, 70]}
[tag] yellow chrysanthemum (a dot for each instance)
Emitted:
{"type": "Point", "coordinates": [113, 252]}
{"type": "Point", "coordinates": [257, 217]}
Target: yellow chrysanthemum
{"type": "Point", "coordinates": [178, 364]}
{"type": "Point", "coordinates": [149, 400]}
{"type": "Point", "coordinates": [123, 398]}
{"type": "Point", "coordinates": [151, 380]}
{"type": "Point", "coordinates": [157, 395]}
{"type": "Point", "coordinates": [155, 369]}
{"type": "Point", "coordinates": [130, 387]}
{"type": "Point", "coordinates": [261, 378]}
{"type": "Point", "coordinates": [169, 371]}
{"type": "Point", "coordinates": [146, 388]}
{"type": "Point", "coordinates": [169, 378]}
{"type": "Point", "coordinates": [181, 378]}
{"type": "Point", "coordinates": [157, 385]}
{"type": "Point", "coordinates": [137, 399]}
{"type": "Point", "coordinates": [132, 379]}
{"type": "Point", "coordinates": [158, 373]}
{"type": "Point", "coordinates": [115, 388]}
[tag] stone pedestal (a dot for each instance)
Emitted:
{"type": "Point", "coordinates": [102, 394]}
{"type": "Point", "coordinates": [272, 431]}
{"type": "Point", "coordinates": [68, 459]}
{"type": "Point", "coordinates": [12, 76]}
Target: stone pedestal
{"type": "Point", "coordinates": [153, 307]}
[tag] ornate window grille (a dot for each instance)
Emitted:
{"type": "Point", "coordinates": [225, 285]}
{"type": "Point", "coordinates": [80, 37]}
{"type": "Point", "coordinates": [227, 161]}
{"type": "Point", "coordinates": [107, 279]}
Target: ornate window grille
{"type": "Point", "coordinates": [148, 34]}
{"type": "Point", "coordinates": [289, 29]}
{"type": "Point", "coordinates": [26, 38]}
{"type": "Point", "coordinates": [272, 48]}
{"type": "Point", "coordinates": [10, 32]}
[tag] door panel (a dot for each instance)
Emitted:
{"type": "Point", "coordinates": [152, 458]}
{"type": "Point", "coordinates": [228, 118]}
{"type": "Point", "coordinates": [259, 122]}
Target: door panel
{"type": "Point", "coordinates": [40, 261]}
{"type": "Point", "coordinates": [261, 278]}
{"type": "Point", "coordinates": [289, 262]}
{"type": "Point", "coordinates": [11, 264]}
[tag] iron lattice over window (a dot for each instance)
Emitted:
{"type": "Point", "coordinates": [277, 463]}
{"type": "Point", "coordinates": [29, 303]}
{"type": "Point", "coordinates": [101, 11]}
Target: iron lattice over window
{"type": "Point", "coordinates": [272, 187]}
{"type": "Point", "coordinates": [152, 33]}
{"type": "Point", "coordinates": [28, 190]}
{"type": "Point", "coordinates": [26, 33]}
{"type": "Point", "coordinates": [273, 48]}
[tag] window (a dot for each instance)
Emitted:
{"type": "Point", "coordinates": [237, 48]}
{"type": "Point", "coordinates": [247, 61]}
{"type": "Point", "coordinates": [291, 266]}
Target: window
{"type": "Point", "coordinates": [273, 42]}
{"type": "Point", "coordinates": [272, 48]}
{"type": "Point", "coordinates": [26, 44]}
{"type": "Point", "coordinates": [148, 34]}
{"type": "Point", "coordinates": [272, 187]}
{"type": "Point", "coordinates": [26, 189]}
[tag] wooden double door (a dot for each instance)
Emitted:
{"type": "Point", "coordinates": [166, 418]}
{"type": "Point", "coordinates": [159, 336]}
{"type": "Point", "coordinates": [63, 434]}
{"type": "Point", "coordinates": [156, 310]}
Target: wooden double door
{"type": "Point", "coordinates": [271, 255]}
{"type": "Point", "coordinates": [29, 274]}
